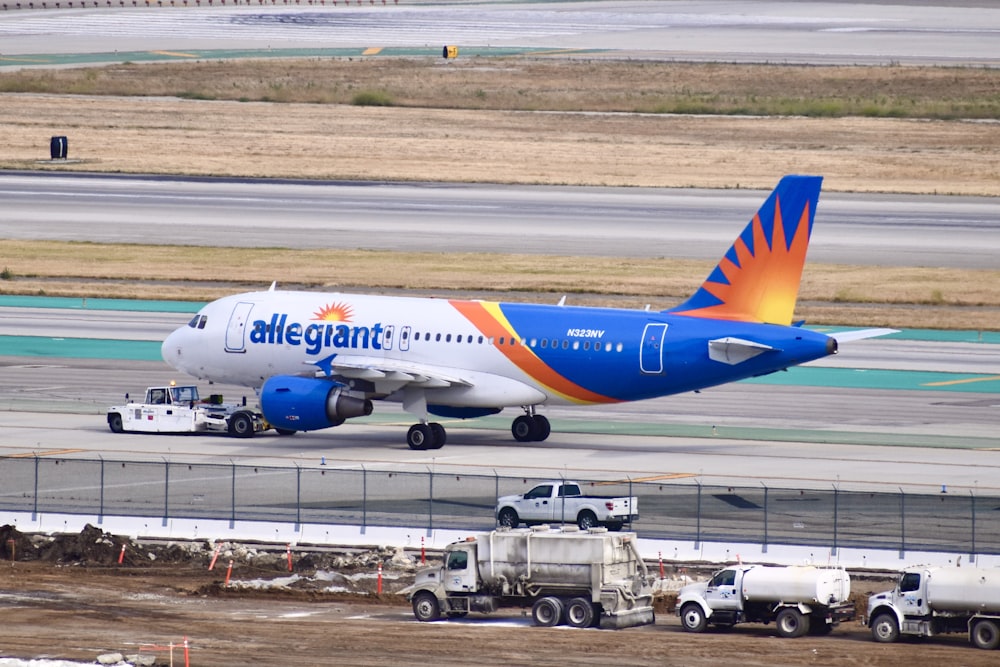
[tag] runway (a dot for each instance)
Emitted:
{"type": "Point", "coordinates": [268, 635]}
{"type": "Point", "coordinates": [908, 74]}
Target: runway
{"type": "Point", "coordinates": [699, 30]}
{"type": "Point", "coordinates": [856, 229]}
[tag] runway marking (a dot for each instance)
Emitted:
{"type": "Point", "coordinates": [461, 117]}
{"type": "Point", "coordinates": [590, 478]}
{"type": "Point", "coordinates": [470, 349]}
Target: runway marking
{"type": "Point", "coordinates": [946, 383]}
{"type": "Point", "coordinates": [672, 475]}
{"type": "Point", "coordinates": [54, 452]}
{"type": "Point", "coordinates": [372, 51]}
{"type": "Point", "coordinates": [175, 53]}
{"type": "Point", "coordinates": [653, 478]}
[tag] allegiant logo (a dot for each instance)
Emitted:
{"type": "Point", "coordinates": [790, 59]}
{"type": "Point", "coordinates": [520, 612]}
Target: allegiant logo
{"type": "Point", "coordinates": [316, 337]}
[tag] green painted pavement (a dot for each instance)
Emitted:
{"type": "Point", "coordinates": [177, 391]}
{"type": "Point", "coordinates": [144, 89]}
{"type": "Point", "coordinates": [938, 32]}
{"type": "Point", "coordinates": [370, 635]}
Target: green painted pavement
{"type": "Point", "coordinates": [79, 348]}
{"type": "Point", "coordinates": [70, 303]}
{"type": "Point", "coordinates": [52, 59]}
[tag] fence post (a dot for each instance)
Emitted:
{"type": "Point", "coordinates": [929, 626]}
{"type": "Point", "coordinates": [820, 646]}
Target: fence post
{"type": "Point", "coordinates": [100, 511]}
{"type": "Point", "coordinates": [836, 517]}
{"type": "Point", "coordinates": [631, 510]}
{"type": "Point", "coordinates": [972, 553]}
{"type": "Point", "coordinates": [430, 506]}
{"type": "Point", "coordinates": [697, 535]}
{"type": "Point", "coordinates": [166, 490]}
{"type": "Point", "coordinates": [34, 508]}
{"type": "Point", "coordinates": [902, 524]}
{"type": "Point", "coordinates": [232, 496]}
{"type": "Point", "coordinates": [298, 497]}
{"type": "Point", "coordinates": [764, 546]}
{"type": "Point", "coordinates": [562, 493]}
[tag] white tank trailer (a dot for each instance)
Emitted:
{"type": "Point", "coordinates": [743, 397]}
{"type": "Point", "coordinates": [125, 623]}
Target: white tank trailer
{"type": "Point", "coordinates": [929, 601]}
{"type": "Point", "coordinates": [581, 578]}
{"type": "Point", "coordinates": [799, 599]}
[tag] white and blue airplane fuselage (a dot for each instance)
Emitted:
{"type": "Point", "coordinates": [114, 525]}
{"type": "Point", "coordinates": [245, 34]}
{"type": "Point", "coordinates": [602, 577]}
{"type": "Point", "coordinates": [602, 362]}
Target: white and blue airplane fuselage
{"type": "Point", "coordinates": [318, 359]}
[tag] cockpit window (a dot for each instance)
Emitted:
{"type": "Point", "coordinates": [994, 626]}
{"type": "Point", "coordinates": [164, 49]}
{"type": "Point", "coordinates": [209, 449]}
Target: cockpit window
{"type": "Point", "coordinates": [198, 321]}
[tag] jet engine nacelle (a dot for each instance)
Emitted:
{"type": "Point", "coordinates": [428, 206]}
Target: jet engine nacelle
{"type": "Point", "coordinates": [307, 404]}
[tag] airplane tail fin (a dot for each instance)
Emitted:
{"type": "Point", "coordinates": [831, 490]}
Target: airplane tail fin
{"type": "Point", "coordinates": [757, 280]}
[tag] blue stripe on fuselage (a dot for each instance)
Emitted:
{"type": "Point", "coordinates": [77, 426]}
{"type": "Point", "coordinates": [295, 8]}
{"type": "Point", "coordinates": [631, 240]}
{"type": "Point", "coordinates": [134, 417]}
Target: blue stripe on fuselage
{"type": "Point", "coordinates": [568, 332]}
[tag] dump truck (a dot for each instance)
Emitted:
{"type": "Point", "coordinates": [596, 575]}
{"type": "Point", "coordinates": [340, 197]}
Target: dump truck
{"type": "Point", "coordinates": [929, 601]}
{"type": "Point", "coordinates": [799, 599]}
{"type": "Point", "coordinates": [580, 578]}
{"type": "Point", "coordinates": [564, 502]}
{"type": "Point", "coordinates": [180, 409]}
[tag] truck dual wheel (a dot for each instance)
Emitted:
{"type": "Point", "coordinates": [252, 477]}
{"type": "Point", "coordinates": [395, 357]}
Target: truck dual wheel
{"type": "Point", "coordinates": [791, 623]}
{"type": "Point", "coordinates": [115, 423]}
{"type": "Point", "coordinates": [586, 520]}
{"type": "Point", "coordinates": [426, 607]}
{"type": "Point", "coordinates": [508, 518]}
{"type": "Point", "coordinates": [693, 618]}
{"type": "Point", "coordinates": [240, 425]}
{"type": "Point", "coordinates": [885, 628]}
{"type": "Point", "coordinates": [986, 635]}
{"type": "Point", "coordinates": [580, 613]}
{"type": "Point", "coordinates": [547, 611]}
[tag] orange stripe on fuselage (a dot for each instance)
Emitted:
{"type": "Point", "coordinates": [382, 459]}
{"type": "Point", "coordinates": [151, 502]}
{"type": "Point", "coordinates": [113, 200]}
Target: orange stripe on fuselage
{"type": "Point", "coordinates": [491, 322]}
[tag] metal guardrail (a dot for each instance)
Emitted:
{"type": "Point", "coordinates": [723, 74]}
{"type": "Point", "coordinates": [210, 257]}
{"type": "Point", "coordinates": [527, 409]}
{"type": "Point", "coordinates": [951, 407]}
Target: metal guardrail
{"type": "Point", "coordinates": [674, 510]}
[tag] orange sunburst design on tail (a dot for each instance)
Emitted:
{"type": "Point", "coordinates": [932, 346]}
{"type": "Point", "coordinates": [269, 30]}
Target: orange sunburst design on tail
{"type": "Point", "coordinates": [762, 284]}
{"type": "Point", "coordinates": [335, 312]}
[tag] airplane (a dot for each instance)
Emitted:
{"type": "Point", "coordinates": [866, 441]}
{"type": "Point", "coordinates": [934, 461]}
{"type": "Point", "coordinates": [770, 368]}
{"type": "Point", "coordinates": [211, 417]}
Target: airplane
{"type": "Point", "coordinates": [319, 359]}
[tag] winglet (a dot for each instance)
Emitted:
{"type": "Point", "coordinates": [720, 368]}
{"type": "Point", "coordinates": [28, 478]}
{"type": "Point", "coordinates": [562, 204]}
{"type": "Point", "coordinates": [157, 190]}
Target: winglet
{"type": "Point", "coordinates": [757, 280]}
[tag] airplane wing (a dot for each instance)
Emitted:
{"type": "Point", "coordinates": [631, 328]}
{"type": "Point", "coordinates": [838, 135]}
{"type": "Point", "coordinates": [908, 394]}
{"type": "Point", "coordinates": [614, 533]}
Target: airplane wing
{"type": "Point", "coordinates": [381, 370]}
{"type": "Point", "coordinates": [861, 334]}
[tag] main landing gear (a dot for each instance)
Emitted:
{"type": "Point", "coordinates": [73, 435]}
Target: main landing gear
{"type": "Point", "coordinates": [426, 436]}
{"type": "Point", "coordinates": [530, 427]}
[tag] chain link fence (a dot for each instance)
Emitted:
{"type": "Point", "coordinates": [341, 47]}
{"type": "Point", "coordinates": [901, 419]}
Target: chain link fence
{"type": "Point", "coordinates": [675, 510]}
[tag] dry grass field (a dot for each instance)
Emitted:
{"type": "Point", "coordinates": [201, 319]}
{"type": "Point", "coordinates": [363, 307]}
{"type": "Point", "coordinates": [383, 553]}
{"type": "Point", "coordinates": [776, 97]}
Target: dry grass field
{"type": "Point", "coordinates": [516, 120]}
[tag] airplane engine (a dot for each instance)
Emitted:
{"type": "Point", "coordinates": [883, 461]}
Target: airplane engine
{"type": "Point", "coordinates": [307, 404]}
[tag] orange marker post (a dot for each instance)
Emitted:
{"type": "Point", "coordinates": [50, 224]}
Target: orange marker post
{"type": "Point", "coordinates": [423, 554]}
{"type": "Point", "coordinates": [379, 588]}
{"type": "Point", "coordinates": [661, 565]}
{"type": "Point", "coordinates": [229, 571]}
{"type": "Point", "coordinates": [211, 566]}
{"type": "Point", "coordinates": [187, 657]}
{"type": "Point", "coordinates": [289, 557]}
{"type": "Point", "coordinates": [121, 556]}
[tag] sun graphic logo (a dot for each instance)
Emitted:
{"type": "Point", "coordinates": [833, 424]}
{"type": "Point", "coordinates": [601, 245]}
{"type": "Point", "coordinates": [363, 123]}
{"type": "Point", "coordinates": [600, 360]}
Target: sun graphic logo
{"type": "Point", "coordinates": [335, 312]}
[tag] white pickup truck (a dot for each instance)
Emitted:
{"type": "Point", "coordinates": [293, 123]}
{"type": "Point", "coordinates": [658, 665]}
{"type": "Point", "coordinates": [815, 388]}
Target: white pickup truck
{"type": "Point", "coordinates": [563, 502]}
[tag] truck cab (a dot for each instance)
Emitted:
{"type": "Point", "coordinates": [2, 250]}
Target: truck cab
{"type": "Point", "coordinates": [460, 575]}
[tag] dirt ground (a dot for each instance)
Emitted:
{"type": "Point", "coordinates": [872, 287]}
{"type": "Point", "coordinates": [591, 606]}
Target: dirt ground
{"type": "Point", "coordinates": [68, 598]}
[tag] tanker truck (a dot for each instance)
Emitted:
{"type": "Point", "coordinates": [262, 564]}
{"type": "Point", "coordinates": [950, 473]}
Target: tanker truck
{"type": "Point", "coordinates": [929, 601]}
{"type": "Point", "coordinates": [799, 599]}
{"type": "Point", "coordinates": [580, 578]}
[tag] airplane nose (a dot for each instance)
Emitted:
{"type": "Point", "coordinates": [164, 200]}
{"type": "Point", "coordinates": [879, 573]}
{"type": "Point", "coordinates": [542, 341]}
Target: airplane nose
{"type": "Point", "coordinates": [171, 350]}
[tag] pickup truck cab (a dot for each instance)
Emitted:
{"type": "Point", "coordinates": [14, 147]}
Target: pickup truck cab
{"type": "Point", "coordinates": [564, 502]}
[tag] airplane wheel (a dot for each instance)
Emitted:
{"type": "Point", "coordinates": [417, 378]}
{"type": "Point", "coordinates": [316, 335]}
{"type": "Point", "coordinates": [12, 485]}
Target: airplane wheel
{"type": "Point", "coordinates": [523, 429]}
{"type": "Point", "coordinates": [440, 435]}
{"type": "Point", "coordinates": [420, 436]}
{"type": "Point", "coordinates": [542, 427]}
